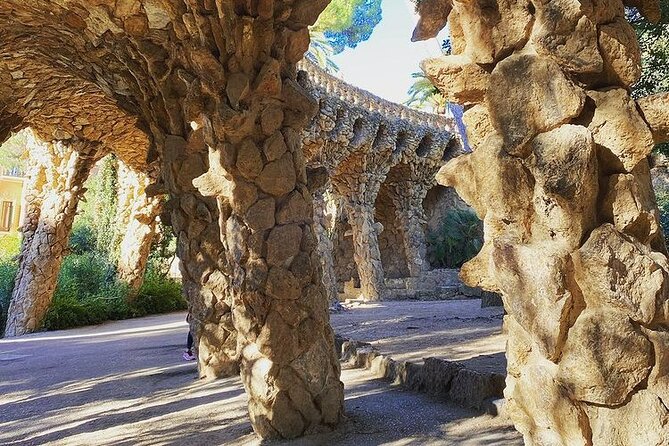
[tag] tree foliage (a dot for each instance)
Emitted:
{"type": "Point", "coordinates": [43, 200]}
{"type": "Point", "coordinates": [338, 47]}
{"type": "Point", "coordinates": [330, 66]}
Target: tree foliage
{"type": "Point", "coordinates": [13, 153]}
{"type": "Point", "coordinates": [321, 52]}
{"type": "Point", "coordinates": [346, 23]}
{"type": "Point", "coordinates": [458, 240]}
{"type": "Point", "coordinates": [654, 45]}
{"type": "Point", "coordinates": [104, 200]}
{"type": "Point", "coordinates": [423, 93]}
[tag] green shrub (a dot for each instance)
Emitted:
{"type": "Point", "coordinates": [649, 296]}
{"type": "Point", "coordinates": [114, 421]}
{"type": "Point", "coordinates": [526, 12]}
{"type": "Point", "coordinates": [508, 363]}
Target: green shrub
{"type": "Point", "coordinates": [10, 245]}
{"type": "Point", "coordinates": [89, 293]}
{"type": "Point", "coordinates": [82, 238]}
{"type": "Point", "coordinates": [663, 205]}
{"type": "Point", "coordinates": [8, 271]}
{"type": "Point", "coordinates": [86, 293]}
{"type": "Point", "coordinates": [158, 294]}
{"type": "Point", "coordinates": [458, 240]}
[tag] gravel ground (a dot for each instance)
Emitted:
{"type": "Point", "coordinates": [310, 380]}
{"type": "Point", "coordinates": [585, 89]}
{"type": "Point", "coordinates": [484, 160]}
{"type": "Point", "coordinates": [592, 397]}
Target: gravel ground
{"type": "Point", "coordinates": [124, 383]}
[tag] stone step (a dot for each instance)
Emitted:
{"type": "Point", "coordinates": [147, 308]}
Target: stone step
{"type": "Point", "coordinates": [440, 378]}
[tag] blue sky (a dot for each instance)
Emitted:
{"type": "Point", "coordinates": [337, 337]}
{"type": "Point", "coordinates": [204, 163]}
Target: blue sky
{"type": "Point", "coordinates": [383, 65]}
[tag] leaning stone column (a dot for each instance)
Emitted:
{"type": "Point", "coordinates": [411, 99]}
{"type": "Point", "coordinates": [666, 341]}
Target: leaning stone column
{"type": "Point", "coordinates": [359, 196]}
{"type": "Point", "coordinates": [559, 176]}
{"type": "Point", "coordinates": [256, 173]}
{"type": "Point", "coordinates": [32, 193]}
{"type": "Point", "coordinates": [138, 219]}
{"type": "Point", "coordinates": [204, 270]}
{"type": "Point", "coordinates": [65, 168]}
{"type": "Point", "coordinates": [408, 199]}
{"type": "Point", "coordinates": [325, 245]}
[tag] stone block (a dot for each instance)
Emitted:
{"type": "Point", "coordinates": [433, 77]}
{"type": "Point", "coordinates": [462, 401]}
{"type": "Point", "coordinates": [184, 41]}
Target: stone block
{"type": "Point", "coordinates": [490, 299]}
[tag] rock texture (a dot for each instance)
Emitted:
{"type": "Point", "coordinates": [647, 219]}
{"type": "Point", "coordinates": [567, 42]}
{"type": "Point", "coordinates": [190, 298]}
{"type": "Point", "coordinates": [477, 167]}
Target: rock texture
{"type": "Point", "coordinates": [138, 219]}
{"type": "Point", "coordinates": [367, 144]}
{"type": "Point", "coordinates": [212, 86]}
{"type": "Point", "coordinates": [560, 176]}
{"type": "Point", "coordinates": [54, 186]}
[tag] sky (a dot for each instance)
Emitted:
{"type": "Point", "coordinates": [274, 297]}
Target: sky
{"type": "Point", "coordinates": [383, 64]}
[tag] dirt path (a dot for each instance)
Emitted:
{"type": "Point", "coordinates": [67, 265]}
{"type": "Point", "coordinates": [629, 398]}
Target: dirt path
{"type": "Point", "coordinates": [124, 383]}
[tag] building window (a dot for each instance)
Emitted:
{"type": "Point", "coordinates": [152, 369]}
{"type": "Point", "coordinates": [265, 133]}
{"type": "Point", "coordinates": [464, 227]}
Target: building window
{"type": "Point", "coordinates": [6, 215]}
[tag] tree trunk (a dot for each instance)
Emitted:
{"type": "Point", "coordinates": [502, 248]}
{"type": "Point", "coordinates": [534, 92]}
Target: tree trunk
{"type": "Point", "coordinates": [64, 169]}
{"type": "Point", "coordinates": [572, 239]}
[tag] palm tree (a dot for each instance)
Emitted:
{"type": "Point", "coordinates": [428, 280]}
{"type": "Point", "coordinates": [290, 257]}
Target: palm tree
{"type": "Point", "coordinates": [422, 94]}
{"type": "Point", "coordinates": [320, 52]}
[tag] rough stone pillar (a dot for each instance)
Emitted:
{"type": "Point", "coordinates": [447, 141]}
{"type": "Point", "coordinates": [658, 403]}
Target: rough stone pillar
{"type": "Point", "coordinates": [138, 219]}
{"type": "Point", "coordinates": [204, 269]}
{"type": "Point", "coordinates": [56, 189]}
{"type": "Point", "coordinates": [256, 172]}
{"type": "Point", "coordinates": [408, 199]}
{"type": "Point", "coordinates": [359, 195]}
{"type": "Point", "coordinates": [322, 225]}
{"type": "Point", "coordinates": [35, 179]}
{"type": "Point", "coordinates": [559, 176]}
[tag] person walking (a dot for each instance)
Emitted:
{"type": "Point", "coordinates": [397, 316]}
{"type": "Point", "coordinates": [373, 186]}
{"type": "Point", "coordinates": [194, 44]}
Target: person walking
{"type": "Point", "coordinates": [188, 354]}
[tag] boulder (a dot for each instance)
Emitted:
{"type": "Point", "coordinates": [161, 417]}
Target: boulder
{"type": "Point", "coordinates": [605, 358]}
{"type": "Point", "coordinates": [529, 95]}
{"type": "Point", "coordinates": [562, 32]}
{"type": "Point", "coordinates": [618, 127]}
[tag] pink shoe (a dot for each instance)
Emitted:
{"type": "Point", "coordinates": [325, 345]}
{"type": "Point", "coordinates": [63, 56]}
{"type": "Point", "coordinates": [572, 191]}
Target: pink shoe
{"type": "Point", "coordinates": [188, 356]}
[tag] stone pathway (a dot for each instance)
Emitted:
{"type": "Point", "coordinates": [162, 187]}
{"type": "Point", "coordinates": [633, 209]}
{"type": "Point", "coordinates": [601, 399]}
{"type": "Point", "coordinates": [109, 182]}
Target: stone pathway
{"type": "Point", "coordinates": [456, 330]}
{"type": "Point", "coordinates": [124, 383]}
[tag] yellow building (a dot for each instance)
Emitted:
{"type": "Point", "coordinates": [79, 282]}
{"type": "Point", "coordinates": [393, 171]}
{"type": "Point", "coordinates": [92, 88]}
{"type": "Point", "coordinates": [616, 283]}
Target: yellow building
{"type": "Point", "coordinates": [11, 199]}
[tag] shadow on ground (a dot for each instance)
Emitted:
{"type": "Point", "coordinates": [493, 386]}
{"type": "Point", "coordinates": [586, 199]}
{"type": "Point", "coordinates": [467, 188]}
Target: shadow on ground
{"type": "Point", "coordinates": [124, 383]}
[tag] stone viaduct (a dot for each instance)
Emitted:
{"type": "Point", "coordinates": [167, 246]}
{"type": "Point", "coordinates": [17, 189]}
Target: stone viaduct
{"type": "Point", "coordinates": [207, 92]}
{"type": "Point", "coordinates": [363, 142]}
{"type": "Point", "coordinates": [369, 145]}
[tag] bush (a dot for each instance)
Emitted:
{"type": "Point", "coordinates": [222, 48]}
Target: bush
{"type": "Point", "coordinates": [8, 271]}
{"type": "Point", "coordinates": [663, 205]}
{"type": "Point", "coordinates": [159, 294]}
{"type": "Point", "coordinates": [458, 240]}
{"type": "Point", "coordinates": [9, 249]}
{"type": "Point", "coordinates": [10, 245]}
{"type": "Point", "coordinates": [89, 293]}
{"type": "Point", "coordinates": [82, 239]}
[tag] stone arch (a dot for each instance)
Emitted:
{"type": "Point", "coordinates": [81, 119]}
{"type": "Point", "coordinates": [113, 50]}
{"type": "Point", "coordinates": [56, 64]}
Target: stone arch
{"type": "Point", "coordinates": [215, 88]}
{"type": "Point", "coordinates": [425, 146]}
{"type": "Point", "coordinates": [391, 243]}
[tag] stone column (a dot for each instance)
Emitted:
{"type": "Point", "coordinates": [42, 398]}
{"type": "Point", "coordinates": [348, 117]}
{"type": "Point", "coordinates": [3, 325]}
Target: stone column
{"type": "Point", "coordinates": [204, 269]}
{"type": "Point", "coordinates": [408, 201]}
{"type": "Point", "coordinates": [138, 219]}
{"type": "Point", "coordinates": [322, 225]}
{"type": "Point", "coordinates": [35, 179]}
{"type": "Point", "coordinates": [288, 364]}
{"type": "Point", "coordinates": [256, 172]}
{"type": "Point", "coordinates": [359, 194]}
{"type": "Point", "coordinates": [560, 176]}
{"type": "Point", "coordinates": [57, 186]}
{"type": "Point", "coordinates": [227, 113]}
